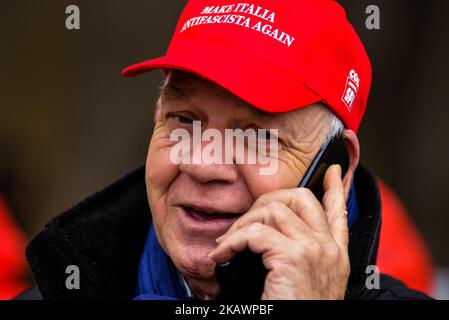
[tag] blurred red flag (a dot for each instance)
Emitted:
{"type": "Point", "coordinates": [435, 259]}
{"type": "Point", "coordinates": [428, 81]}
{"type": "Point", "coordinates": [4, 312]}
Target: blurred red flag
{"type": "Point", "coordinates": [13, 267]}
{"type": "Point", "coordinates": [403, 252]}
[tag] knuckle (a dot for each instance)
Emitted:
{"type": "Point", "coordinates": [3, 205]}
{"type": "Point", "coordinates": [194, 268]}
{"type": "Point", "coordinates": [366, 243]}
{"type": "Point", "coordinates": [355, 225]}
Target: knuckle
{"type": "Point", "coordinates": [303, 193]}
{"type": "Point", "coordinates": [304, 198]}
{"type": "Point", "coordinates": [255, 231]}
{"type": "Point", "coordinates": [279, 212]}
{"type": "Point", "coordinates": [273, 208]}
{"type": "Point", "coordinates": [262, 200]}
{"type": "Point", "coordinates": [308, 250]}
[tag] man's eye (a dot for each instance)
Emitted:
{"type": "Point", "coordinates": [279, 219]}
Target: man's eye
{"type": "Point", "coordinates": [183, 120]}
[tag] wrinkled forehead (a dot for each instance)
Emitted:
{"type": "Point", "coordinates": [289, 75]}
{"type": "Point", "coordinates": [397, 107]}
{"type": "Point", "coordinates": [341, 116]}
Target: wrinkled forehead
{"type": "Point", "coordinates": [182, 85]}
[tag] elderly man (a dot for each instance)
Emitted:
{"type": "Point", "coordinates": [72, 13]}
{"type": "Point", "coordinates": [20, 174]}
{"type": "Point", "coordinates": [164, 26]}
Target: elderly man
{"type": "Point", "coordinates": [293, 70]}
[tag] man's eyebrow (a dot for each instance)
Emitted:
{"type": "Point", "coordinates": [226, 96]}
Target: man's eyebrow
{"type": "Point", "coordinates": [264, 114]}
{"type": "Point", "coordinates": [179, 87]}
{"type": "Point", "coordinates": [177, 90]}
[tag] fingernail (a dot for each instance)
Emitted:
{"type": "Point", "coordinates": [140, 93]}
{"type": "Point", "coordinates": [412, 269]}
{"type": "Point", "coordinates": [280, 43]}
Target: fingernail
{"type": "Point", "coordinates": [218, 240]}
{"type": "Point", "coordinates": [339, 170]}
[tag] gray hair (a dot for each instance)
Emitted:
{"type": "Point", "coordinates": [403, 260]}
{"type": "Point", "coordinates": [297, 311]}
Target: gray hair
{"type": "Point", "coordinates": [335, 126]}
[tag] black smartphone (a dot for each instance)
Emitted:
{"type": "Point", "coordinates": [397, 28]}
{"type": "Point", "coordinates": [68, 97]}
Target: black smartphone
{"type": "Point", "coordinates": [243, 277]}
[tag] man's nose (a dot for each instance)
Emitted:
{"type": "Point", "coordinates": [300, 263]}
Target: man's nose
{"type": "Point", "coordinates": [204, 173]}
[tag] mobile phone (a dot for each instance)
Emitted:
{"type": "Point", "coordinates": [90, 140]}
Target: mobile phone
{"type": "Point", "coordinates": [243, 277]}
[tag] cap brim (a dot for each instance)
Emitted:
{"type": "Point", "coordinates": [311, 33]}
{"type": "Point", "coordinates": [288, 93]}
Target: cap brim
{"type": "Point", "coordinates": [255, 81]}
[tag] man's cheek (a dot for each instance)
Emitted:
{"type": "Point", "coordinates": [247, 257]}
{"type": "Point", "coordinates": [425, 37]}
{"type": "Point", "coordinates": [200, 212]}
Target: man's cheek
{"type": "Point", "coordinates": [160, 172]}
{"type": "Point", "coordinates": [285, 177]}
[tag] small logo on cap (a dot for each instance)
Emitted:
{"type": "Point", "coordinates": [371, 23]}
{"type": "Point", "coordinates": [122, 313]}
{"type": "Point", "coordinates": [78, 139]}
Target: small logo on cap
{"type": "Point", "coordinates": [351, 89]}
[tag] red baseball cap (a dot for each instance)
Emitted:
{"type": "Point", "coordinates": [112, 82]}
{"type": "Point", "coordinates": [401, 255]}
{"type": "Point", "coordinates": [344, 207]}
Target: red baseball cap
{"type": "Point", "coordinates": [276, 55]}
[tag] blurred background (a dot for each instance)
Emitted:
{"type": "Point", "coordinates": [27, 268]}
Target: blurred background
{"type": "Point", "coordinates": [70, 124]}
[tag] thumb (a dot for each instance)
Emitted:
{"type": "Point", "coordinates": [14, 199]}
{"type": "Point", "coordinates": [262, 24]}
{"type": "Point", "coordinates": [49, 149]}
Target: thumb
{"type": "Point", "coordinates": [334, 204]}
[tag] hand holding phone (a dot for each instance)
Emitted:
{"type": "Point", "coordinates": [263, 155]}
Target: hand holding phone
{"type": "Point", "coordinates": [243, 277]}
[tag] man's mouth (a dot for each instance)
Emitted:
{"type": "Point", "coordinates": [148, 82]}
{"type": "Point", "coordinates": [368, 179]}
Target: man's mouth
{"type": "Point", "coordinates": [203, 215]}
{"type": "Point", "coordinates": [206, 221]}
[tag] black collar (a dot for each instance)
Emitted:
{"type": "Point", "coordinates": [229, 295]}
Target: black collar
{"type": "Point", "coordinates": [365, 233]}
{"type": "Point", "coordinates": [104, 237]}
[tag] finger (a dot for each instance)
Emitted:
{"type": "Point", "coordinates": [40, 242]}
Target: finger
{"type": "Point", "coordinates": [301, 201]}
{"type": "Point", "coordinates": [334, 203]}
{"type": "Point", "coordinates": [274, 214]}
{"type": "Point", "coordinates": [257, 237]}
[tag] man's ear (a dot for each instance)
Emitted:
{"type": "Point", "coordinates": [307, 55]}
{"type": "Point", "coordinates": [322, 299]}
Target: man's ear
{"type": "Point", "coordinates": [353, 146]}
{"type": "Point", "coordinates": [157, 111]}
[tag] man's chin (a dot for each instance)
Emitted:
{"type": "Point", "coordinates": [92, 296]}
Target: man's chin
{"type": "Point", "coordinates": [193, 261]}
